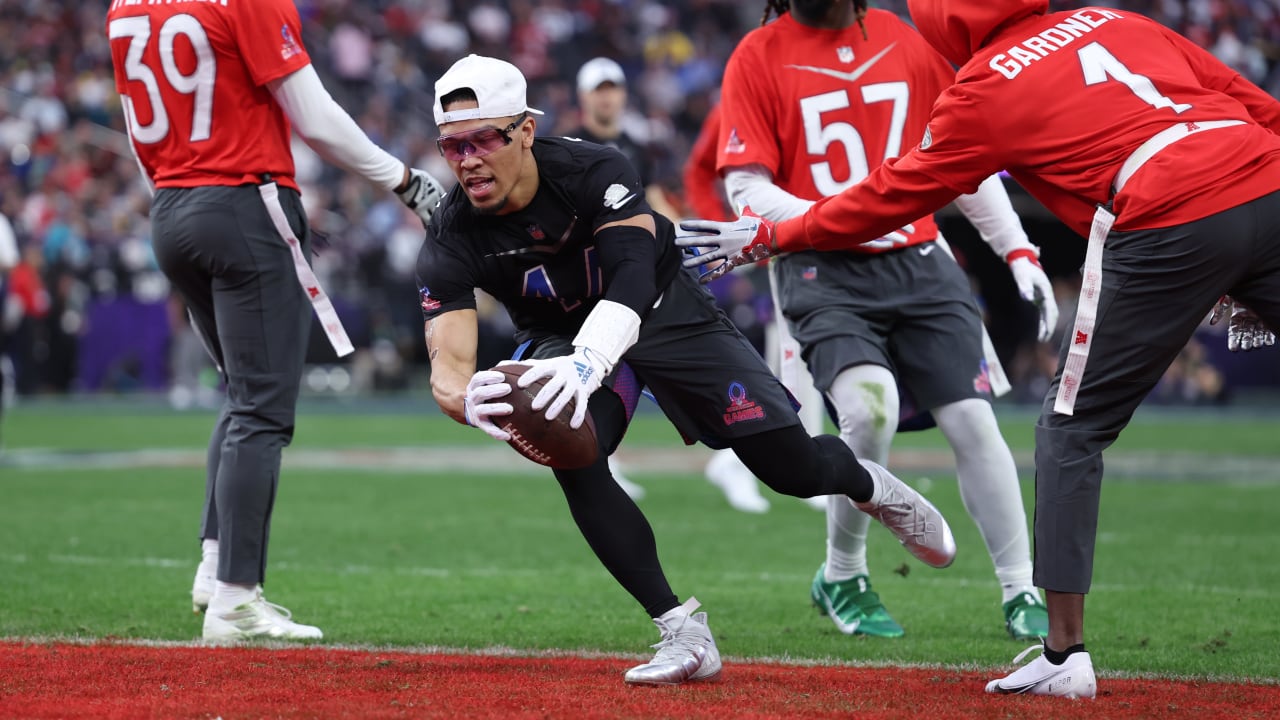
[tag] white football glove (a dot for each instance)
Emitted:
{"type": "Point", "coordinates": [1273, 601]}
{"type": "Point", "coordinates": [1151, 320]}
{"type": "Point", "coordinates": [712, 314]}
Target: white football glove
{"type": "Point", "coordinates": [571, 377]}
{"type": "Point", "coordinates": [738, 242]}
{"type": "Point", "coordinates": [1034, 287]}
{"type": "Point", "coordinates": [485, 386]}
{"type": "Point", "coordinates": [1245, 330]}
{"type": "Point", "coordinates": [421, 194]}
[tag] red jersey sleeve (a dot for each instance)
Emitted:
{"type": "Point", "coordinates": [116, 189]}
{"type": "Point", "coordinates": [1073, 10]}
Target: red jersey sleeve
{"type": "Point", "coordinates": [269, 35]}
{"type": "Point", "coordinates": [702, 188]}
{"type": "Point", "coordinates": [747, 125]}
{"type": "Point", "coordinates": [1217, 76]}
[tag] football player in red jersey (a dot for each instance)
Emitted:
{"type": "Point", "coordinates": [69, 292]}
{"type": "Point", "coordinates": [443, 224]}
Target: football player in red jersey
{"type": "Point", "coordinates": [209, 92]}
{"type": "Point", "coordinates": [1163, 157]}
{"type": "Point", "coordinates": [810, 103]}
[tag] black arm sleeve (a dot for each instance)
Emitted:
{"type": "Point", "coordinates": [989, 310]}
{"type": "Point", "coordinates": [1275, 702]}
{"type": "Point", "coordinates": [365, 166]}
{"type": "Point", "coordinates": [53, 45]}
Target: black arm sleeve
{"type": "Point", "coordinates": [628, 259]}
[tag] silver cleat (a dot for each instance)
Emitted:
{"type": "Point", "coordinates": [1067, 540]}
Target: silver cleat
{"type": "Point", "coordinates": [686, 653]}
{"type": "Point", "coordinates": [913, 520]}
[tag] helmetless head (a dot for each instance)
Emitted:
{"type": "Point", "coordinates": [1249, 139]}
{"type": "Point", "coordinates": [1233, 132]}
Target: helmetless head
{"type": "Point", "coordinates": [486, 132]}
{"type": "Point", "coordinates": [817, 13]}
{"type": "Point", "coordinates": [602, 93]}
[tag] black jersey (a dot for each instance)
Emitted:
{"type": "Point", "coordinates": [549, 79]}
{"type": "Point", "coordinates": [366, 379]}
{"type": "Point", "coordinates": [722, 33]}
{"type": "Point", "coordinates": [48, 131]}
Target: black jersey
{"type": "Point", "coordinates": [541, 262]}
{"type": "Point", "coordinates": [634, 151]}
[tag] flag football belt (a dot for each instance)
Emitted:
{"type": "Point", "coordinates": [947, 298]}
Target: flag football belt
{"type": "Point", "coordinates": [319, 300]}
{"type": "Point", "coordinates": [1091, 284]}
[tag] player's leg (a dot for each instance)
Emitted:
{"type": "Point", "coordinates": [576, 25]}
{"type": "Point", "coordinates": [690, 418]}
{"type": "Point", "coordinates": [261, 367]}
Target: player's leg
{"type": "Point", "coordinates": [716, 388]}
{"type": "Point", "coordinates": [1259, 289]}
{"type": "Point", "coordinates": [989, 488]}
{"type": "Point", "coordinates": [262, 322]}
{"type": "Point", "coordinates": [1156, 288]}
{"type": "Point", "coordinates": [937, 348]}
{"type": "Point", "coordinates": [178, 257]}
{"type": "Point", "coordinates": [620, 536]}
{"type": "Point", "coordinates": [865, 398]}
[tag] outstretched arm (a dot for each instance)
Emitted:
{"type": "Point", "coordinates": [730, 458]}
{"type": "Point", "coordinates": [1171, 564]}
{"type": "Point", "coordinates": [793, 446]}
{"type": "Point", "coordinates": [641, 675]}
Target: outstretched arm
{"type": "Point", "coordinates": [331, 132]}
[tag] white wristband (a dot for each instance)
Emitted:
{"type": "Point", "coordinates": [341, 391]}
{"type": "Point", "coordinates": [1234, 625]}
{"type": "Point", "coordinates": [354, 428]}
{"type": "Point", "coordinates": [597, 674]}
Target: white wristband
{"type": "Point", "coordinates": [610, 330]}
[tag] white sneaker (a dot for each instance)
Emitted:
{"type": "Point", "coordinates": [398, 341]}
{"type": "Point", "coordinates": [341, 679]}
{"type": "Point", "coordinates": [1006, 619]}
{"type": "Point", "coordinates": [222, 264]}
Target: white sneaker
{"type": "Point", "coordinates": [203, 586]}
{"type": "Point", "coordinates": [633, 491]}
{"type": "Point", "coordinates": [687, 652]}
{"type": "Point", "coordinates": [913, 520]}
{"type": "Point", "coordinates": [739, 486]}
{"type": "Point", "coordinates": [256, 619]}
{"type": "Point", "coordinates": [1074, 678]}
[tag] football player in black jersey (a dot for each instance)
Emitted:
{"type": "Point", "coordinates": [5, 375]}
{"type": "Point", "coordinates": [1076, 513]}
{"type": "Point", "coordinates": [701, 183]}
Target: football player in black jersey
{"type": "Point", "coordinates": [559, 232]}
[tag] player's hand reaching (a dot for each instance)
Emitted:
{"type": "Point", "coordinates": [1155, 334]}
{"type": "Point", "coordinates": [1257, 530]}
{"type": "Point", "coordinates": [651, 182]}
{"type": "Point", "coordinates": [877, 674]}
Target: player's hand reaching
{"type": "Point", "coordinates": [738, 242]}
{"type": "Point", "coordinates": [421, 193]}
{"type": "Point", "coordinates": [1245, 330]}
{"type": "Point", "coordinates": [570, 377]}
{"type": "Point", "coordinates": [1034, 287]}
{"type": "Point", "coordinates": [479, 408]}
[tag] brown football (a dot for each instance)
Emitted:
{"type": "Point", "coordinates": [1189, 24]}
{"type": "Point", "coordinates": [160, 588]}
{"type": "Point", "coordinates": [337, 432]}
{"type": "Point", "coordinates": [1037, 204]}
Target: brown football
{"type": "Point", "coordinates": [552, 443]}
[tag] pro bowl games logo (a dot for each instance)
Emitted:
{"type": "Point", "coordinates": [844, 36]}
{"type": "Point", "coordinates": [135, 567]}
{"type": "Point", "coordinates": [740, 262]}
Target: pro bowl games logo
{"type": "Point", "coordinates": [982, 381]}
{"type": "Point", "coordinates": [741, 408]}
{"type": "Point", "coordinates": [429, 304]}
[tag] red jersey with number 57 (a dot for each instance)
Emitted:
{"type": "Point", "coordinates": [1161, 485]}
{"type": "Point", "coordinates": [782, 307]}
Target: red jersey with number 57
{"type": "Point", "coordinates": [195, 74]}
{"type": "Point", "coordinates": [819, 108]}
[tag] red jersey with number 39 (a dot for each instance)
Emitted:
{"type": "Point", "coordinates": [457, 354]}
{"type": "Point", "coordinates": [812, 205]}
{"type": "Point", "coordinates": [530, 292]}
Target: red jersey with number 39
{"type": "Point", "coordinates": [820, 108]}
{"type": "Point", "coordinates": [195, 74]}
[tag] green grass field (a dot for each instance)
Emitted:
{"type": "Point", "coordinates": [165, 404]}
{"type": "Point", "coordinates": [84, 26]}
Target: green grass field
{"type": "Point", "coordinates": [396, 527]}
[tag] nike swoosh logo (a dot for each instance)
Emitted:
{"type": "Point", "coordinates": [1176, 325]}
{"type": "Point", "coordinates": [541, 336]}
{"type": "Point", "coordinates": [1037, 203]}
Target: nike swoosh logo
{"type": "Point", "coordinates": [617, 205]}
{"type": "Point", "coordinates": [927, 249]}
{"type": "Point", "coordinates": [851, 76]}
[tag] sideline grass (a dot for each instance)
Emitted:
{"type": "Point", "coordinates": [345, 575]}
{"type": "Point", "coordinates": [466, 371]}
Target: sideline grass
{"type": "Point", "coordinates": [1185, 582]}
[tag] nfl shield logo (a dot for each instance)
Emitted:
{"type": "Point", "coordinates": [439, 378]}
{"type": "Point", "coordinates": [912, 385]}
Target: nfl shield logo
{"type": "Point", "coordinates": [845, 54]}
{"type": "Point", "coordinates": [535, 232]}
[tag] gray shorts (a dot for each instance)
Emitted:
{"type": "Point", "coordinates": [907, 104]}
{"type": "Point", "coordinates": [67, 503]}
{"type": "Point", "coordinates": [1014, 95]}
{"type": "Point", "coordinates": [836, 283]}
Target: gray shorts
{"type": "Point", "coordinates": [708, 380]}
{"type": "Point", "coordinates": [909, 310]}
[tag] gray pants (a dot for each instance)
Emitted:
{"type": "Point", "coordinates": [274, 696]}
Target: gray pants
{"type": "Point", "coordinates": [1157, 287]}
{"type": "Point", "coordinates": [220, 251]}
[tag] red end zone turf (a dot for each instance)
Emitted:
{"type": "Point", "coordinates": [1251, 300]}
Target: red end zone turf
{"type": "Point", "coordinates": [107, 680]}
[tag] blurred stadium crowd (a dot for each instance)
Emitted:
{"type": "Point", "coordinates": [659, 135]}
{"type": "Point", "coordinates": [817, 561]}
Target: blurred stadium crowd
{"type": "Point", "coordinates": [87, 309]}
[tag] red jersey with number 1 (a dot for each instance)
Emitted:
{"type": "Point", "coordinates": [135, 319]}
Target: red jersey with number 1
{"type": "Point", "coordinates": [195, 72]}
{"type": "Point", "coordinates": [1061, 101]}
{"type": "Point", "coordinates": [819, 108]}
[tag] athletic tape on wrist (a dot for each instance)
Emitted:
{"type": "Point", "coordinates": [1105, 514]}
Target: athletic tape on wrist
{"type": "Point", "coordinates": [609, 331]}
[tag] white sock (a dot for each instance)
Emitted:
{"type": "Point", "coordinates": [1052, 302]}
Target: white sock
{"type": "Point", "coordinates": [229, 596]}
{"type": "Point", "coordinates": [989, 487]}
{"type": "Point", "coordinates": [1012, 591]}
{"type": "Point", "coordinates": [209, 550]}
{"type": "Point", "coordinates": [846, 541]}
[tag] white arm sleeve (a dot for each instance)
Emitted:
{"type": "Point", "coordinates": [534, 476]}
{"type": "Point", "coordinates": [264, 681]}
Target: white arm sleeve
{"type": "Point", "coordinates": [330, 131]}
{"type": "Point", "coordinates": [992, 214]}
{"type": "Point", "coordinates": [752, 185]}
{"type": "Point", "coordinates": [8, 245]}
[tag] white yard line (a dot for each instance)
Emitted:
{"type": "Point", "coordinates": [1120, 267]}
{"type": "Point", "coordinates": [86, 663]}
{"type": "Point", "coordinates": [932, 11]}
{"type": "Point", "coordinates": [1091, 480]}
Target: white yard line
{"type": "Point", "coordinates": [725, 577]}
{"type": "Point", "coordinates": [489, 459]}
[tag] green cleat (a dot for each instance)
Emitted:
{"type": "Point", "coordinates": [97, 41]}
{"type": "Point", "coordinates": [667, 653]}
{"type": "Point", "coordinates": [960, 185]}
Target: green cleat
{"type": "Point", "coordinates": [1026, 617]}
{"type": "Point", "coordinates": [853, 606]}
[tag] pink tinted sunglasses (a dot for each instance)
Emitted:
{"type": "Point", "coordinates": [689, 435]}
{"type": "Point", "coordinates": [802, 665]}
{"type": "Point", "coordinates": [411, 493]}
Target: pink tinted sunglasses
{"type": "Point", "coordinates": [478, 142]}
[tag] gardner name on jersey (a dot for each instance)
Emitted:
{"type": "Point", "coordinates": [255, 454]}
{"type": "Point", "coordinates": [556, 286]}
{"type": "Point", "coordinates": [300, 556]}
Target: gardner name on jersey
{"type": "Point", "coordinates": [543, 262]}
